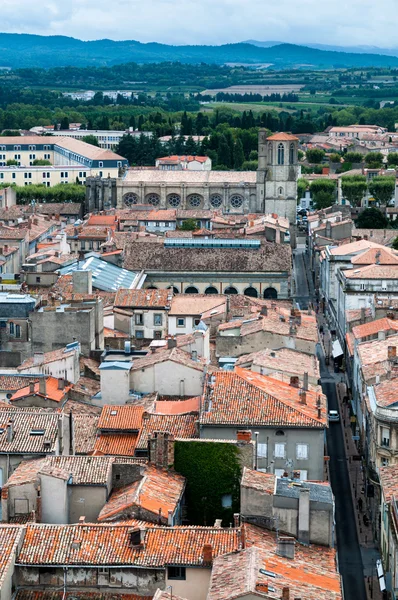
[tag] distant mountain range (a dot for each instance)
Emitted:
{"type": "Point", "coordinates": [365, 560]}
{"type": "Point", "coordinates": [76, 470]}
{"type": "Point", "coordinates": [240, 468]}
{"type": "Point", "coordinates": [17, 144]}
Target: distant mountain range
{"type": "Point", "coordinates": [25, 50]}
{"type": "Point", "coordinates": [349, 49]}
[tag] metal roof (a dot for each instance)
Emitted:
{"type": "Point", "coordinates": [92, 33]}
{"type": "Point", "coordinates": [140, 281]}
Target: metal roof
{"type": "Point", "coordinates": [105, 276]}
{"type": "Point", "coordinates": [291, 489]}
{"type": "Point", "coordinates": [211, 243]}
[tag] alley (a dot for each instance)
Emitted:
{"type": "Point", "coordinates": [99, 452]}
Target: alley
{"type": "Point", "coordinates": [301, 284]}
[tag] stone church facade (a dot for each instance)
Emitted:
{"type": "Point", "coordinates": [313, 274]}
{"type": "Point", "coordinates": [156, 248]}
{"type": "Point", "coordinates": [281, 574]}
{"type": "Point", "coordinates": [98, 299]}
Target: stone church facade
{"type": "Point", "coordinates": [272, 189]}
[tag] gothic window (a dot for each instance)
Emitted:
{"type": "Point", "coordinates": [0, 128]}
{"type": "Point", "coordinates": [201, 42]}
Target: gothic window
{"type": "Point", "coordinates": [130, 199]}
{"type": "Point", "coordinates": [236, 201]}
{"type": "Point", "coordinates": [195, 200]}
{"type": "Point", "coordinates": [291, 154]}
{"type": "Point", "coordinates": [281, 154]}
{"type": "Point", "coordinates": [216, 201]}
{"type": "Point", "coordinates": [153, 199]}
{"type": "Point", "coordinates": [270, 152]}
{"type": "Point", "coordinates": [174, 200]}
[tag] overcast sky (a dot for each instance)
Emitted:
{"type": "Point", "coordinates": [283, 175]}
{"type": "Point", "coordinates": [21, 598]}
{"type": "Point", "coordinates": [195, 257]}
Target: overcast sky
{"type": "Point", "coordinates": [349, 22]}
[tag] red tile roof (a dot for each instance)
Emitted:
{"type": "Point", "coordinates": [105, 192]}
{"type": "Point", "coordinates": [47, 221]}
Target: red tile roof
{"type": "Point", "coordinates": [10, 536]}
{"type": "Point", "coordinates": [158, 492]}
{"type": "Point", "coordinates": [159, 299]}
{"type": "Point", "coordinates": [51, 393]}
{"type": "Point", "coordinates": [174, 355]}
{"type": "Point", "coordinates": [26, 424]}
{"type": "Point", "coordinates": [246, 398]}
{"type": "Point", "coordinates": [180, 426]}
{"type": "Point", "coordinates": [282, 137]}
{"type": "Point", "coordinates": [85, 430]}
{"type": "Point", "coordinates": [25, 594]}
{"type": "Point", "coordinates": [121, 444]}
{"type": "Point", "coordinates": [264, 482]}
{"type": "Point", "coordinates": [102, 544]}
{"type": "Point", "coordinates": [177, 407]}
{"type": "Point", "coordinates": [373, 327]}
{"type": "Point", "coordinates": [46, 358]}
{"type": "Point", "coordinates": [389, 481]}
{"type": "Point", "coordinates": [122, 418]}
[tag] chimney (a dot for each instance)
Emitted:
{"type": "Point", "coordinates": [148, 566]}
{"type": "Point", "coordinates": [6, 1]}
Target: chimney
{"type": "Point", "coordinates": [236, 520]}
{"type": "Point", "coordinates": [304, 516]}
{"type": "Point", "coordinates": [207, 554]}
{"type": "Point", "coordinates": [305, 382]}
{"type": "Point", "coordinates": [171, 343]}
{"type": "Point", "coordinates": [182, 388]}
{"type": "Point", "coordinates": [194, 355]}
{"type": "Point", "coordinates": [38, 358]}
{"type": "Point", "coordinates": [392, 352]}
{"type": "Point", "coordinates": [285, 593]}
{"type": "Point", "coordinates": [264, 311]}
{"type": "Point", "coordinates": [169, 518]}
{"type": "Point", "coordinates": [82, 520]}
{"type": "Point", "coordinates": [218, 523]}
{"type": "Point", "coordinates": [5, 249]}
{"type": "Point", "coordinates": [42, 386]}
{"type": "Point", "coordinates": [244, 435]}
{"type": "Point", "coordinates": [161, 449]}
{"type": "Point", "coordinates": [31, 387]}
{"type": "Point", "coordinates": [10, 431]}
{"type": "Point", "coordinates": [292, 329]}
{"type": "Point", "coordinates": [319, 412]}
{"type": "Point", "coordinates": [262, 588]}
{"type": "Point", "coordinates": [294, 381]}
{"type": "Point", "coordinates": [286, 546]}
{"type": "Point", "coordinates": [363, 315]}
{"type": "Point", "coordinates": [302, 396]}
{"type": "Point", "coordinates": [378, 254]}
{"type": "Point", "coordinates": [381, 335]}
{"type": "Point", "coordinates": [61, 383]}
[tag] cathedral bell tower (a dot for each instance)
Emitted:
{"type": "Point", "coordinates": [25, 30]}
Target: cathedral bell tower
{"type": "Point", "coordinates": [277, 174]}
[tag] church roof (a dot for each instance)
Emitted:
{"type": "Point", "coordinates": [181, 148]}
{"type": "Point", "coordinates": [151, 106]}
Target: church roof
{"type": "Point", "coordinates": [282, 137]}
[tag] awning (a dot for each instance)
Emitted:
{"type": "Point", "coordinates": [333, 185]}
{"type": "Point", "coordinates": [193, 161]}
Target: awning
{"type": "Point", "coordinates": [336, 350]}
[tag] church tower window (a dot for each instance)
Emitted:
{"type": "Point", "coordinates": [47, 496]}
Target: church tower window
{"type": "Point", "coordinates": [270, 153]}
{"type": "Point", "coordinates": [281, 154]}
{"type": "Point", "coordinates": [174, 200]}
{"type": "Point", "coordinates": [153, 199]}
{"type": "Point", "coordinates": [130, 199]}
{"type": "Point", "coordinates": [216, 201]}
{"type": "Point", "coordinates": [291, 154]}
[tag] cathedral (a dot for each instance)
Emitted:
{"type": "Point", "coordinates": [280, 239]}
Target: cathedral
{"type": "Point", "coordinates": [270, 189]}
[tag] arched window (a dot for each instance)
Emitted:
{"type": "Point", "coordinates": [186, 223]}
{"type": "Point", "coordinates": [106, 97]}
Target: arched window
{"type": "Point", "coordinates": [17, 331]}
{"type": "Point", "coordinates": [191, 290]}
{"type": "Point", "coordinates": [173, 289]}
{"type": "Point", "coordinates": [279, 432]}
{"type": "Point", "coordinates": [251, 292]}
{"type": "Point", "coordinates": [12, 328]}
{"type": "Point", "coordinates": [270, 293]}
{"type": "Point", "coordinates": [211, 290]}
{"type": "Point", "coordinates": [280, 191]}
{"type": "Point", "coordinates": [281, 154]}
{"type": "Point", "coordinates": [291, 154]}
{"type": "Point", "coordinates": [230, 291]}
{"type": "Point", "coordinates": [270, 153]}
{"type": "Point", "coordinates": [151, 287]}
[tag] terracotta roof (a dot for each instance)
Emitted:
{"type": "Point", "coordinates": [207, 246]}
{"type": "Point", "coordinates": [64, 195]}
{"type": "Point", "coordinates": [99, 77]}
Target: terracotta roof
{"type": "Point", "coordinates": [93, 232]}
{"type": "Point", "coordinates": [283, 359]}
{"type": "Point", "coordinates": [122, 444]}
{"type": "Point", "coordinates": [312, 573]}
{"type": "Point", "coordinates": [386, 392]}
{"type": "Point", "coordinates": [46, 358]}
{"type": "Point", "coordinates": [52, 392]}
{"type": "Point", "coordinates": [181, 426]}
{"type": "Point", "coordinates": [195, 304]}
{"type": "Point", "coordinates": [107, 220]}
{"type": "Point", "coordinates": [13, 233]}
{"type": "Point", "coordinates": [355, 314]}
{"type": "Point", "coordinates": [183, 158]}
{"type": "Point", "coordinates": [122, 418]}
{"type": "Point", "coordinates": [353, 248]}
{"type": "Point", "coordinates": [100, 544]}
{"type": "Point", "coordinates": [350, 341]}
{"type": "Point", "coordinates": [373, 356]}
{"type": "Point", "coordinates": [177, 407]}
{"type": "Point", "coordinates": [246, 398]}
{"type": "Point", "coordinates": [85, 387]}
{"type": "Point", "coordinates": [234, 575]}
{"type": "Point", "coordinates": [373, 272]}
{"type": "Point", "coordinates": [159, 299]}
{"type": "Point", "coordinates": [264, 482]}
{"type": "Point", "coordinates": [34, 432]}
{"type": "Point", "coordinates": [59, 208]}
{"type": "Point", "coordinates": [85, 470]}
{"type": "Point", "coordinates": [389, 481]}
{"type": "Point", "coordinates": [112, 333]}
{"type": "Point", "coordinates": [158, 492]}
{"type": "Point", "coordinates": [373, 327]}
{"type": "Point", "coordinates": [25, 472]}
{"type": "Point", "coordinates": [382, 256]}
{"type": "Point", "coordinates": [282, 137]}
{"type": "Point", "coordinates": [174, 355]}
{"type": "Point", "coordinates": [13, 382]}
{"type": "Point", "coordinates": [157, 257]}
{"type": "Point", "coordinates": [10, 536]}
{"type": "Point", "coordinates": [85, 430]}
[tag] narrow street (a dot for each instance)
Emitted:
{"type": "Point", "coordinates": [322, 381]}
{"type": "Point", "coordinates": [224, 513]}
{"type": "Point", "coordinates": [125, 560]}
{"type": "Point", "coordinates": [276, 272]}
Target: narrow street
{"type": "Point", "coordinates": [347, 543]}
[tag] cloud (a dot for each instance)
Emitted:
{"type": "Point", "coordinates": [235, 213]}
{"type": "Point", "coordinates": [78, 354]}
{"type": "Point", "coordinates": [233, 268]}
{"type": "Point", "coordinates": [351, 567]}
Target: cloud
{"type": "Point", "coordinates": [352, 22]}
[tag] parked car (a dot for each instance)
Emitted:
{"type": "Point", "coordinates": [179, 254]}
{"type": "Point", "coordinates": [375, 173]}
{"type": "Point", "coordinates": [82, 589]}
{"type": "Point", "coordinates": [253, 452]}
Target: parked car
{"type": "Point", "coordinates": [334, 416]}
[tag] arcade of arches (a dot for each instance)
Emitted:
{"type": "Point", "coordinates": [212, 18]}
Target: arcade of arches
{"type": "Point", "coordinates": [270, 293]}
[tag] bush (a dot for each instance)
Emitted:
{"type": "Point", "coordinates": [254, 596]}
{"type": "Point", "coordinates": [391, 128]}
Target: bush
{"type": "Point", "coordinates": [353, 157]}
{"type": "Point", "coordinates": [372, 218]}
{"type": "Point", "coordinates": [392, 159]}
{"type": "Point", "coordinates": [374, 160]}
{"type": "Point", "coordinates": [334, 157]}
{"type": "Point", "coordinates": [315, 155]}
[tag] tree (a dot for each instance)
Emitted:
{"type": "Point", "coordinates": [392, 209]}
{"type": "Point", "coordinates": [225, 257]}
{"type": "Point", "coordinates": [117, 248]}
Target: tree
{"type": "Point", "coordinates": [64, 123]}
{"type": "Point", "coordinates": [323, 192]}
{"type": "Point", "coordinates": [12, 163]}
{"type": "Point", "coordinates": [354, 188]}
{"type": "Point", "coordinates": [392, 159]}
{"type": "Point", "coordinates": [189, 225]}
{"type": "Point", "coordinates": [300, 154]}
{"type": "Point", "coordinates": [374, 160]}
{"type": "Point", "coordinates": [302, 187]}
{"type": "Point", "coordinates": [41, 162]}
{"type": "Point", "coordinates": [395, 244]}
{"type": "Point", "coordinates": [353, 157]}
{"type": "Point", "coordinates": [371, 218]}
{"type": "Point", "coordinates": [315, 155]}
{"type": "Point", "coordinates": [239, 156]}
{"type": "Point", "coordinates": [334, 157]}
{"type": "Point", "coordinates": [90, 139]}
{"type": "Point", "coordinates": [250, 165]}
{"type": "Point", "coordinates": [224, 153]}
{"type": "Point", "coordinates": [382, 189]}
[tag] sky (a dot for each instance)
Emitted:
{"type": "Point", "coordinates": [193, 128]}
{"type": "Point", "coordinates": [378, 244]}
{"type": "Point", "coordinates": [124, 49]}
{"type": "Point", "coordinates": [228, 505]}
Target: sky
{"type": "Point", "coordinates": [345, 23]}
